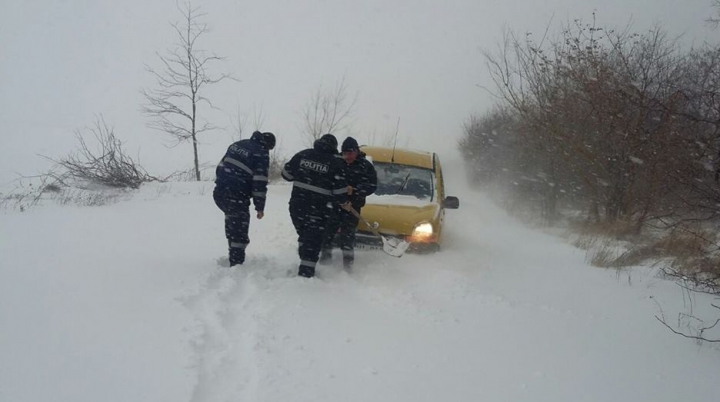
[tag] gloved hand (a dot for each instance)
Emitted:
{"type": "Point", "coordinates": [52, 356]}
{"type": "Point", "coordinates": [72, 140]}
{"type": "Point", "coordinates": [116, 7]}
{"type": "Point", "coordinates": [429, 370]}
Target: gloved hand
{"type": "Point", "coordinates": [260, 214]}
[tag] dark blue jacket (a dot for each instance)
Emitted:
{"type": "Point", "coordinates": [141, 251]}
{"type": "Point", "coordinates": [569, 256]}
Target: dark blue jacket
{"type": "Point", "coordinates": [243, 171]}
{"type": "Point", "coordinates": [362, 177]}
{"type": "Point", "coordinates": [317, 175]}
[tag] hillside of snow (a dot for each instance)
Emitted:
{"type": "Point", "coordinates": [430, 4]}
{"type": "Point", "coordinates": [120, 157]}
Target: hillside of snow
{"type": "Point", "coordinates": [127, 302]}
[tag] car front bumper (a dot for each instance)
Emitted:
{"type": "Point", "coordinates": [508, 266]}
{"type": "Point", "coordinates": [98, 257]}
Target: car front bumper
{"type": "Point", "coordinates": [366, 240]}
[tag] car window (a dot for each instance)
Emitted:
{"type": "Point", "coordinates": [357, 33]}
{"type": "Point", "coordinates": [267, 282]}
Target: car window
{"type": "Point", "coordinates": [395, 179]}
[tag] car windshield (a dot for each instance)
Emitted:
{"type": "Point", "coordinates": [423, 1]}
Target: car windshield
{"type": "Point", "coordinates": [395, 179]}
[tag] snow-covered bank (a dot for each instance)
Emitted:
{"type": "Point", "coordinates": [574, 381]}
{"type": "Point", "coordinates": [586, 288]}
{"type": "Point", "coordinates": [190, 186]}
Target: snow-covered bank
{"type": "Point", "coordinates": [126, 302]}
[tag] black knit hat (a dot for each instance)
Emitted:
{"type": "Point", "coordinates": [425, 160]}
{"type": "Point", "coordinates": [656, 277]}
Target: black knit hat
{"type": "Point", "coordinates": [268, 140]}
{"type": "Point", "coordinates": [330, 140]}
{"type": "Point", "coordinates": [350, 145]}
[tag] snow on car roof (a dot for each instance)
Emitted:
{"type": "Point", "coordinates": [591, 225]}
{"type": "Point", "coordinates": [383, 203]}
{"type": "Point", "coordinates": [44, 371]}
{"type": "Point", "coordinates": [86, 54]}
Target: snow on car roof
{"type": "Point", "coordinates": [400, 156]}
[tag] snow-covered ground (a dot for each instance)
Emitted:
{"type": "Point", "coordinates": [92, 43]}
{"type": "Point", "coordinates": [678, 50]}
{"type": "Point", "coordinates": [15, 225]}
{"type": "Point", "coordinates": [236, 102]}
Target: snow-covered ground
{"type": "Point", "coordinates": [126, 302]}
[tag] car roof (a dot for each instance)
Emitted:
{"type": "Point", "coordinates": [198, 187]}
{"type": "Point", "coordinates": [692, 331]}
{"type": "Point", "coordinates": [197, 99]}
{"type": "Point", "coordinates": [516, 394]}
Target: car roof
{"type": "Point", "coordinates": [400, 156]}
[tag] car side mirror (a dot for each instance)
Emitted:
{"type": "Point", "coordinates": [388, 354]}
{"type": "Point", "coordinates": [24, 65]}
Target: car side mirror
{"type": "Point", "coordinates": [451, 203]}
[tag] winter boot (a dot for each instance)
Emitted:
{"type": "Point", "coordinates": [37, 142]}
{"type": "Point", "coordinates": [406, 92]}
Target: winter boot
{"type": "Point", "coordinates": [306, 272]}
{"type": "Point", "coordinates": [325, 256]}
{"type": "Point", "coordinates": [237, 252]}
{"type": "Point", "coordinates": [237, 257]}
{"type": "Point", "coordinates": [348, 259]}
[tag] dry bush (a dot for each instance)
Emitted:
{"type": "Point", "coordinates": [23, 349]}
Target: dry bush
{"type": "Point", "coordinates": [601, 241]}
{"type": "Point", "coordinates": [616, 245]}
{"type": "Point", "coordinates": [97, 165]}
{"type": "Point", "coordinates": [207, 173]}
{"type": "Point", "coordinates": [685, 252]}
{"type": "Point", "coordinates": [698, 259]}
{"type": "Point", "coordinates": [678, 246]}
{"type": "Point", "coordinates": [33, 191]}
{"type": "Point", "coordinates": [607, 244]}
{"type": "Point", "coordinates": [30, 190]}
{"type": "Point", "coordinates": [684, 244]}
{"type": "Point", "coordinates": [620, 129]}
{"type": "Point", "coordinates": [52, 188]}
{"type": "Point", "coordinates": [86, 198]}
{"type": "Point", "coordinates": [15, 200]}
{"type": "Point", "coordinates": [704, 270]}
{"type": "Point", "coordinates": [103, 162]}
{"type": "Point", "coordinates": [612, 229]}
{"type": "Point", "coordinates": [605, 255]}
{"type": "Point", "coordinates": [618, 124]}
{"type": "Point", "coordinates": [605, 252]}
{"type": "Point", "coordinates": [583, 242]}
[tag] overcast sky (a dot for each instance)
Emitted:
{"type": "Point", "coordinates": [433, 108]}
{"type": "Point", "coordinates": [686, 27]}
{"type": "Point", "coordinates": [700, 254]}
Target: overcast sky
{"type": "Point", "coordinates": [62, 62]}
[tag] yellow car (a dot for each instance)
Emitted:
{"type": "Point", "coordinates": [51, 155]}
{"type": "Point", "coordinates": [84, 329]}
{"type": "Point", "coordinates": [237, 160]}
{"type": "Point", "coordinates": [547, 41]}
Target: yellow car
{"type": "Point", "coordinates": [410, 200]}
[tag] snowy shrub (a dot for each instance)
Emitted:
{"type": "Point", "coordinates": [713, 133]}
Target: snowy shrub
{"type": "Point", "coordinates": [620, 125]}
{"type": "Point", "coordinates": [618, 130]}
{"type": "Point", "coordinates": [103, 162]}
{"type": "Point", "coordinates": [87, 198]}
{"type": "Point", "coordinates": [206, 172]}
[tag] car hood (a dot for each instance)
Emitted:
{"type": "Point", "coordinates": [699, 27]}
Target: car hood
{"type": "Point", "coordinates": [398, 215]}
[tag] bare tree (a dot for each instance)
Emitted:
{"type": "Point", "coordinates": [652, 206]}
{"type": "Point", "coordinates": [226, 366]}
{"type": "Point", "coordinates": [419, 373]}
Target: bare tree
{"type": "Point", "coordinates": [240, 121]}
{"type": "Point", "coordinates": [238, 124]}
{"type": "Point", "coordinates": [173, 104]}
{"type": "Point", "coordinates": [277, 162]}
{"type": "Point", "coordinates": [328, 111]}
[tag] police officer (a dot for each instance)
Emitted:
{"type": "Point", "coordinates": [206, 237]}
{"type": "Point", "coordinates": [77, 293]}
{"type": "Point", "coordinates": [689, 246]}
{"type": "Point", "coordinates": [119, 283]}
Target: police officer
{"type": "Point", "coordinates": [361, 176]}
{"type": "Point", "coordinates": [318, 189]}
{"type": "Point", "coordinates": [240, 175]}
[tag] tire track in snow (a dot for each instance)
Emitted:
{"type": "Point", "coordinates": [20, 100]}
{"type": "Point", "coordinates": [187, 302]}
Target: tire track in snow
{"type": "Point", "coordinates": [227, 334]}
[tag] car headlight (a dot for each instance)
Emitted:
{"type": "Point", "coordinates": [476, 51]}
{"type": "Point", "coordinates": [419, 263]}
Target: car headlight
{"type": "Point", "coordinates": [423, 231]}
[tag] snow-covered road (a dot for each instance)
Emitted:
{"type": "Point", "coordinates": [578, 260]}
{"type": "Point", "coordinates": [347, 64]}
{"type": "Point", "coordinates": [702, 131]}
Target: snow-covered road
{"type": "Point", "coordinates": [125, 302]}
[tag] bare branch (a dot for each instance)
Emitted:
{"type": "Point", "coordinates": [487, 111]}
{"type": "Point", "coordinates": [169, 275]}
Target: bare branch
{"type": "Point", "coordinates": [700, 338]}
{"type": "Point", "coordinates": [714, 21]}
{"type": "Point", "coordinates": [328, 111]}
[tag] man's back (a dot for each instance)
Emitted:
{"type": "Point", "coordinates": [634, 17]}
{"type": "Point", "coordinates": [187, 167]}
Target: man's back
{"type": "Point", "coordinates": [243, 160]}
{"type": "Point", "coordinates": [317, 175]}
{"type": "Point", "coordinates": [361, 175]}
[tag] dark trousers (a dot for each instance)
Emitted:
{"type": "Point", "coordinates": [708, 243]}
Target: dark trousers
{"type": "Point", "coordinates": [341, 232]}
{"type": "Point", "coordinates": [237, 223]}
{"type": "Point", "coordinates": [311, 222]}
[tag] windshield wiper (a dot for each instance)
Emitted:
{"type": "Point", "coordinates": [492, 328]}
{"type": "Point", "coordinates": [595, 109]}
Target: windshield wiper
{"type": "Point", "coordinates": [404, 183]}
